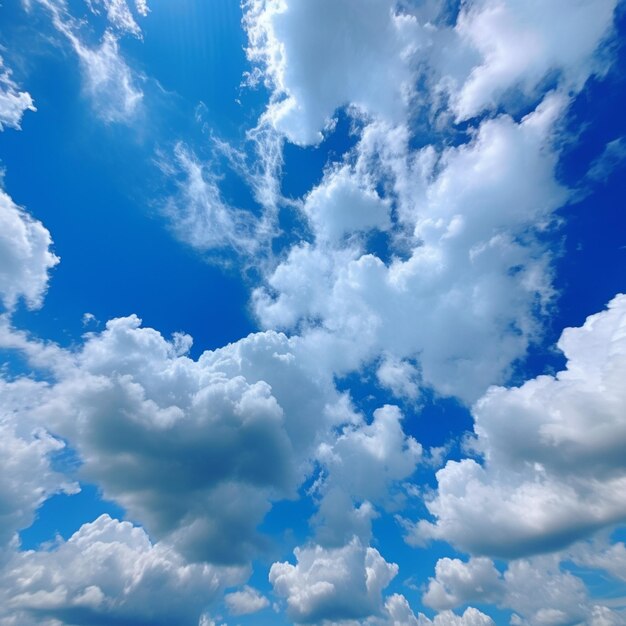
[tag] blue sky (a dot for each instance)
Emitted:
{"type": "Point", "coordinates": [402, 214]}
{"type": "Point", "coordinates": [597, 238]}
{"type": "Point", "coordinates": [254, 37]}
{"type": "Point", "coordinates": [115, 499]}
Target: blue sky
{"type": "Point", "coordinates": [310, 312]}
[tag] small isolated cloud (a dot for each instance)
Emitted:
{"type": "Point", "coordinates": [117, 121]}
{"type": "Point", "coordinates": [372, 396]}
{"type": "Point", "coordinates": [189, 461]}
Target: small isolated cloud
{"type": "Point", "coordinates": [611, 159]}
{"type": "Point", "coordinates": [333, 584]}
{"type": "Point", "coordinates": [245, 601]}
{"type": "Point", "coordinates": [28, 477]}
{"type": "Point", "coordinates": [538, 590]}
{"type": "Point", "coordinates": [26, 257]}
{"type": "Point", "coordinates": [13, 102]}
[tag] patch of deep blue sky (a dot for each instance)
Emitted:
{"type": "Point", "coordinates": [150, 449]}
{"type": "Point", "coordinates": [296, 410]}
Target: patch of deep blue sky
{"type": "Point", "coordinates": [96, 188]}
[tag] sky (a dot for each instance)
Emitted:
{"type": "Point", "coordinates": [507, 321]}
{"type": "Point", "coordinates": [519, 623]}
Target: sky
{"type": "Point", "coordinates": [312, 312]}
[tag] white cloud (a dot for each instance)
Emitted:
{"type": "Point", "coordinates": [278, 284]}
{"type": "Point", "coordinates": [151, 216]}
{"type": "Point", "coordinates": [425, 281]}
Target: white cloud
{"type": "Point", "coordinates": [360, 468]}
{"type": "Point", "coordinates": [341, 206]}
{"type": "Point", "coordinates": [195, 450]}
{"type": "Point", "coordinates": [141, 6]}
{"type": "Point", "coordinates": [457, 583]}
{"type": "Point", "coordinates": [108, 81]}
{"type": "Point", "coordinates": [13, 102]}
{"type": "Point", "coordinates": [109, 572]}
{"type": "Point", "coordinates": [518, 43]}
{"type": "Point", "coordinates": [25, 256]}
{"type": "Point", "coordinates": [333, 584]}
{"type": "Point", "coordinates": [319, 56]}
{"type": "Point", "coordinates": [611, 159]}
{"type": "Point", "coordinates": [554, 465]}
{"type": "Point", "coordinates": [538, 590]}
{"type": "Point", "coordinates": [26, 450]}
{"type": "Point", "coordinates": [464, 303]}
{"type": "Point", "coordinates": [402, 378]}
{"type": "Point", "coordinates": [199, 215]}
{"type": "Point", "coordinates": [601, 555]}
{"type": "Point", "coordinates": [245, 601]}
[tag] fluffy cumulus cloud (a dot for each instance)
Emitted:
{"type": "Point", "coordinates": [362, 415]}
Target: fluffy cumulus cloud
{"type": "Point", "coordinates": [538, 591]}
{"type": "Point", "coordinates": [360, 469]}
{"type": "Point", "coordinates": [247, 600]}
{"type": "Point", "coordinates": [108, 572]}
{"type": "Point", "coordinates": [516, 44]}
{"type": "Point", "coordinates": [456, 583]}
{"type": "Point", "coordinates": [27, 450]}
{"type": "Point", "coordinates": [13, 102]}
{"type": "Point", "coordinates": [196, 450]}
{"type": "Point", "coordinates": [26, 257]}
{"type": "Point", "coordinates": [320, 56]}
{"type": "Point", "coordinates": [554, 464]}
{"type": "Point", "coordinates": [475, 271]}
{"type": "Point", "coordinates": [427, 258]}
{"type": "Point", "coordinates": [331, 585]}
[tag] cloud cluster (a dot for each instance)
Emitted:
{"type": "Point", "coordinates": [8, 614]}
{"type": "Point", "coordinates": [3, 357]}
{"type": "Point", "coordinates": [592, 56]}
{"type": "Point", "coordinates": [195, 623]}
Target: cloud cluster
{"type": "Point", "coordinates": [516, 44]}
{"type": "Point", "coordinates": [554, 466]}
{"type": "Point", "coordinates": [108, 572]}
{"type": "Point", "coordinates": [195, 450]}
{"type": "Point", "coordinates": [539, 592]}
{"type": "Point", "coordinates": [464, 301]}
{"type": "Point", "coordinates": [360, 469]}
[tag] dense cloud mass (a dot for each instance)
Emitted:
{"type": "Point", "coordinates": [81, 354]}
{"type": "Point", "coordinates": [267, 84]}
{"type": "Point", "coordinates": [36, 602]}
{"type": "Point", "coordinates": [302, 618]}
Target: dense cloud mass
{"type": "Point", "coordinates": [197, 450]}
{"type": "Point", "coordinates": [395, 203]}
{"type": "Point", "coordinates": [554, 464]}
{"type": "Point", "coordinates": [108, 572]}
{"type": "Point", "coordinates": [477, 268]}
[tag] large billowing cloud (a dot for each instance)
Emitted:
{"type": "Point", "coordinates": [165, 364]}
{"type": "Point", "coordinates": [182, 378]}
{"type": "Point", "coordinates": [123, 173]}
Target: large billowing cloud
{"type": "Point", "coordinates": [475, 270]}
{"type": "Point", "coordinates": [320, 56]}
{"type": "Point", "coordinates": [26, 257]}
{"type": "Point", "coordinates": [108, 572]}
{"type": "Point", "coordinates": [195, 450]}
{"type": "Point", "coordinates": [554, 468]}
